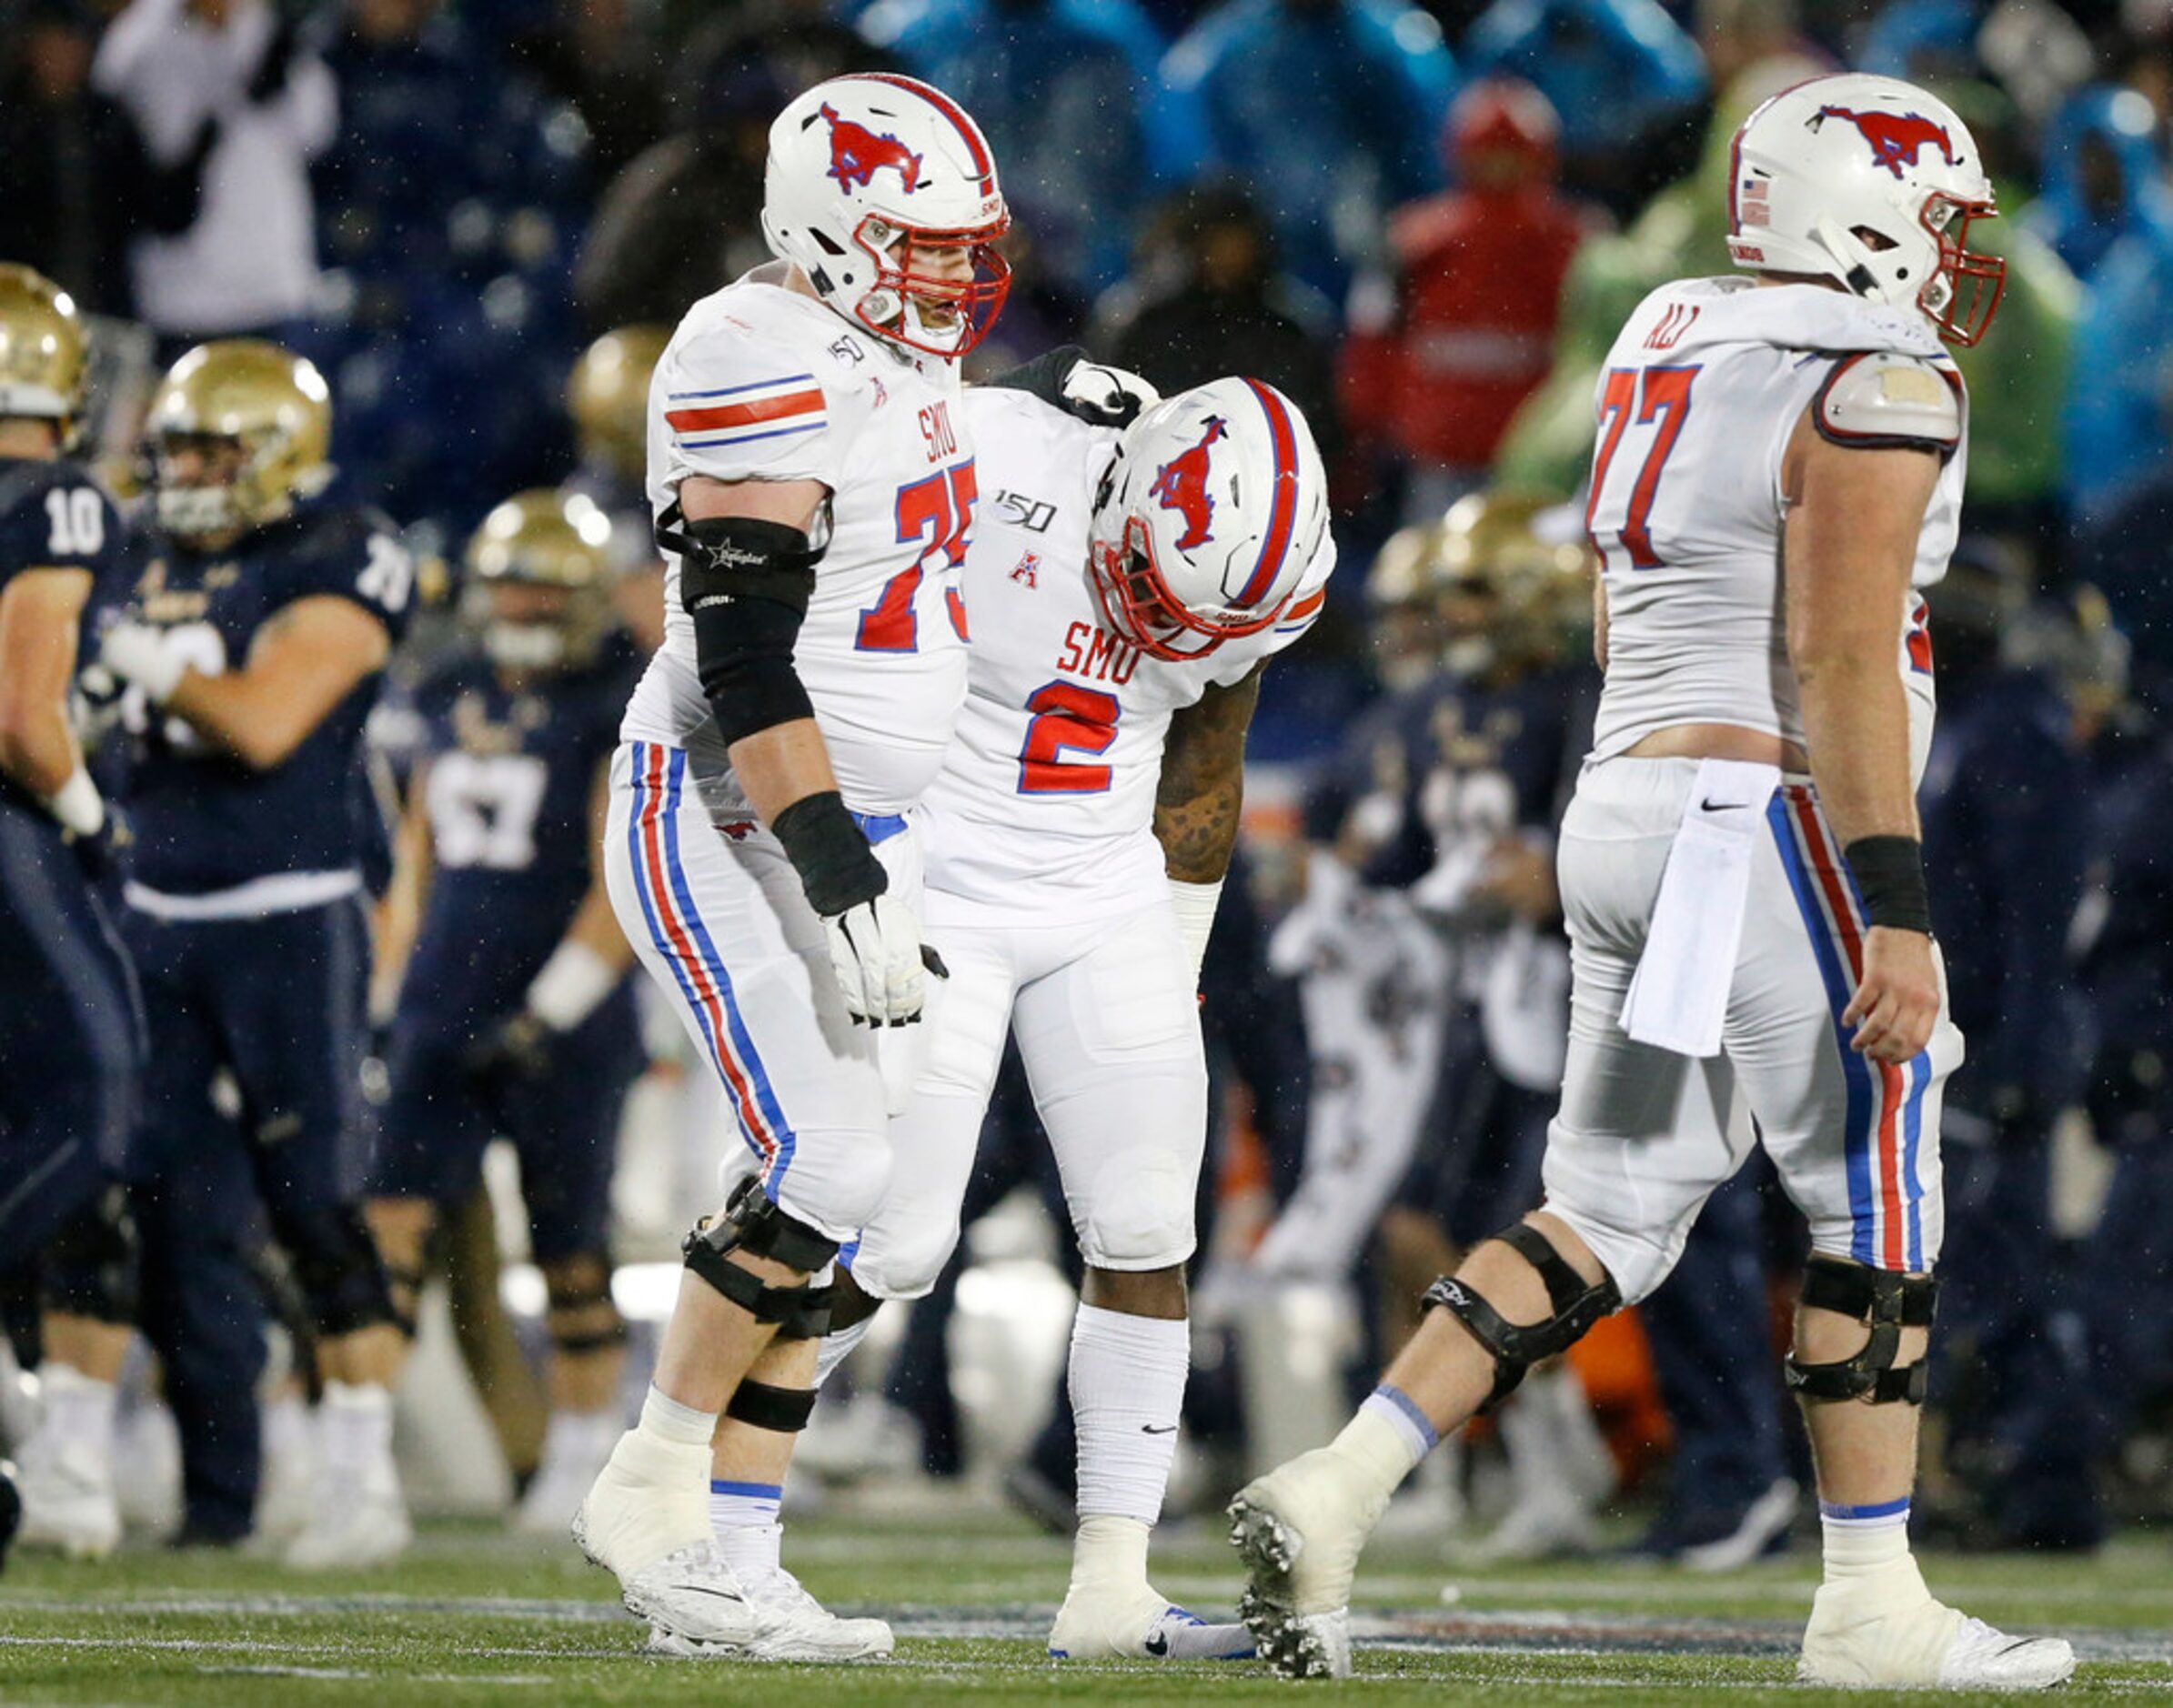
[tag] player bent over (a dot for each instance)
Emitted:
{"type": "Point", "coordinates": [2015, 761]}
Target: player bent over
{"type": "Point", "coordinates": [814, 488]}
{"type": "Point", "coordinates": [515, 1016]}
{"type": "Point", "coordinates": [1127, 591]}
{"type": "Point", "coordinates": [1779, 465]}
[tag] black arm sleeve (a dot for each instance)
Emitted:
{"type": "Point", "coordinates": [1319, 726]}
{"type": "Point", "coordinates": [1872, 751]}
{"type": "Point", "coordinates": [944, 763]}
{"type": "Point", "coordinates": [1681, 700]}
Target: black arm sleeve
{"type": "Point", "coordinates": [746, 583]}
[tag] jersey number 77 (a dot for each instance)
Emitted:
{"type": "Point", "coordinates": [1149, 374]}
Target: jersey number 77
{"type": "Point", "coordinates": [1657, 398]}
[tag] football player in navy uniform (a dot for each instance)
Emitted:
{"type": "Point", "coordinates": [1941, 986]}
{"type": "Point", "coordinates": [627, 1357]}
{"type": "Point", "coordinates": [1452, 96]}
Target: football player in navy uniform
{"type": "Point", "coordinates": [251, 647]}
{"type": "Point", "coordinates": [514, 1014]}
{"type": "Point", "coordinates": [70, 1028]}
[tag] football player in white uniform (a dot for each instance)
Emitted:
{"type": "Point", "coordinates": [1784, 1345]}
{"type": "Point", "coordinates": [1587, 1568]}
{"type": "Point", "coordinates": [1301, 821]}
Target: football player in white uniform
{"type": "Point", "coordinates": [1127, 591]}
{"type": "Point", "coordinates": [813, 485]}
{"type": "Point", "coordinates": [1779, 466]}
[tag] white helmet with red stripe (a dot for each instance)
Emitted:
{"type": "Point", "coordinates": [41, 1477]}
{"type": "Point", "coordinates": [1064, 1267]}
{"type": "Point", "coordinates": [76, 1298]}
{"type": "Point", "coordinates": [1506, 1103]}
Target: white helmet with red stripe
{"type": "Point", "coordinates": [865, 169]}
{"type": "Point", "coordinates": [1873, 183]}
{"type": "Point", "coordinates": [1208, 519]}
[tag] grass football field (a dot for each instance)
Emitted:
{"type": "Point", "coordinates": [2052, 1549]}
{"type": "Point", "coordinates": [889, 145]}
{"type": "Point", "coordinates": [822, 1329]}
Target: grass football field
{"type": "Point", "coordinates": [474, 1616]}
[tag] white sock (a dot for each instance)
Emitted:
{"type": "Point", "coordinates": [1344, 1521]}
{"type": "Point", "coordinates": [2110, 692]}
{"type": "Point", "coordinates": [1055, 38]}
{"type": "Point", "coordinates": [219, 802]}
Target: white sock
{"type": "Point", "coordinates": [1864, 1541]}
{"type": "Point", "coordinates": [743, 1516]}
{"type": "Point", "coordinates": [77, 1407]}
{"type": "Point", "coordinates": [836, 1347]}
{"type": "Point", "coordinates": [354, 1425]}
{"type": "Point", "coordinates": [287, 1435]}
{"type": "Point", "coordinates": [1127, 1384]}
{"type": "Point", "coordinates": [666, 1420]}
{"type": "Point", "coordinates": [1386, 1438]}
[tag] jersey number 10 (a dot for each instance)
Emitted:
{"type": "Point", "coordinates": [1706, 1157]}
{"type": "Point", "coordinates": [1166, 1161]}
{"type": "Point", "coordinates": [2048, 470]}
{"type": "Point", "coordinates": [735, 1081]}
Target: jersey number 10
{"type": "Point", "coordinates": [1648, 396]}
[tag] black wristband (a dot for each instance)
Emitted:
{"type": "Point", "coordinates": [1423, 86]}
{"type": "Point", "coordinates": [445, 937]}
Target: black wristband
{"type": "Point", "coordinates": [836, 868]}
{"type": "Point", "coordinates": [1890, 874]}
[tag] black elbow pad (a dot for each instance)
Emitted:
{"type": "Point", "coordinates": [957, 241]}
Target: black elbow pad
{"type": "Point", "coordinates": [745, 584]}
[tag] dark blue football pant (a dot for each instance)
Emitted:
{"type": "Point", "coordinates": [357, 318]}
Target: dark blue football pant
{"type": "Point", "coordinates": [278, 1004]}
{"type": "Point", "coordinates": [2009, 1364]}
{"type": "Point", "coordinates": [1712, 1357]}
{"type": "Point", "coordinates": [71, 1037]}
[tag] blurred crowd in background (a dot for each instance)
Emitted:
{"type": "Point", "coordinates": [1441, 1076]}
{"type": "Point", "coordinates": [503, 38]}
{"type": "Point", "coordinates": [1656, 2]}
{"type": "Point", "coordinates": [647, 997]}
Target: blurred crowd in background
{"type": "Point", "coordinates": [1424, 223]}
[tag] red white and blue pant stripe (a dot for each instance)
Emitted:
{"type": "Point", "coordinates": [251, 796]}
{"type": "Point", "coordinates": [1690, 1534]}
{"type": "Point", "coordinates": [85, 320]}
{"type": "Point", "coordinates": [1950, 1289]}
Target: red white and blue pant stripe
{"type": "Point", "coordinates": [684, 944]}
{"type": "Point", "coordinates": [1884, 1110]}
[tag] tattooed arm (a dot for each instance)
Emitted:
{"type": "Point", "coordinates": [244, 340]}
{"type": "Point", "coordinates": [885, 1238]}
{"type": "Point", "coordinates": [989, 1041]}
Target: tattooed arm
{"type": "Point", "coordinates": [1203, 786]}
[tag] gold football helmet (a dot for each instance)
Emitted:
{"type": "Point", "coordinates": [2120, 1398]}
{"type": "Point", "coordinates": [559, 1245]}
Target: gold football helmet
{"type": "Point", "coordinates": [273, 410]}
{"type": "Point", "coordinates": [607, 397]}
{"type": "Point", "coordinates": [1405, 590]}
{"type": "Point", "coordinates": [1512, 596]}
{"type": "Point", "coordinates": [43, 349]}
{"type": "Point", "coordinates": [538, 591]}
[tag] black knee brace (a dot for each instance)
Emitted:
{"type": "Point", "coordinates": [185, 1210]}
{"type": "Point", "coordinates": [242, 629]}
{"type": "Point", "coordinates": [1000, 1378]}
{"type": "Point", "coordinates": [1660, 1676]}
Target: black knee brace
{"type": "Point", "coordinates": [753, 1223]}
{"type": "Point", "coordinates": [1884, 1301]}
{"type": "Point", "coordinates": [767, 1406]}
{"type": "Point", "coordinates": [336, 1265]}
{"type": "Point", "coordinates": [91, 1267]}
{"type": "Point", "coordinates": [1515, 1348]}
{"type": "Point", "coordinates": [591, 1290]}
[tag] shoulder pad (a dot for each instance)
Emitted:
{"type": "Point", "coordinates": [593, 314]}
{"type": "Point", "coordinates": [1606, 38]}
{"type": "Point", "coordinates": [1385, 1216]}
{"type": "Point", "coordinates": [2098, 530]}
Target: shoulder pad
{"type": "Point", "coordinates": [1882, 400]}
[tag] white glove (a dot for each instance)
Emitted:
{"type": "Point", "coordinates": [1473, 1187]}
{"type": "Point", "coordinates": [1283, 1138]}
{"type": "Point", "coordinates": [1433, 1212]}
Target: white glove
{"type": "Point", "coordinates": [875, 950]}
{"type": "Point", "coordinates": [138, 653]}
{"type": "Point", "coordinates": [1109, 392]}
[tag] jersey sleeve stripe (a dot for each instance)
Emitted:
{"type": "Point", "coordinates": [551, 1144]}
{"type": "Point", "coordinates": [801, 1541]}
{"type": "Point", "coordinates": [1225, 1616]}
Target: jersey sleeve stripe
{"type": "Point", "coordinates": [1283, 518]}
{"type": "Point", "coordinates": [753, 412]}
{"type": "Point", "coordinates": [748, 438]}
{"type": "Point", "coordinates": [734, 391]}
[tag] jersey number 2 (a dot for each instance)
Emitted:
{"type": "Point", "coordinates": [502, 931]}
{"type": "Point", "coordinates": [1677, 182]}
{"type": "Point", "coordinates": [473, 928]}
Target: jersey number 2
{"type": "Point", "coordinates": [1651, 395]}
{"type": "Point", "coordinates": [941, 509]}
{"type": "Point", "coordinates": [1067, 718]}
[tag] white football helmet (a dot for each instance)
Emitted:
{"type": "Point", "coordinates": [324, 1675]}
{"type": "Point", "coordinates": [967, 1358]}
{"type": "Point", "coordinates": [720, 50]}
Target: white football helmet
{"type": "Point", "coordinates": [1208, 519]}
{"type": "Point", "coordinates": [861, 169]}
{"type": "Point", "coordinates": [1819, 165]}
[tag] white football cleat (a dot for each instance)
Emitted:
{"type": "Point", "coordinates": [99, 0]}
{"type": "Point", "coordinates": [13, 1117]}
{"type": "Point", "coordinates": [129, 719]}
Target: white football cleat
{"type": "Point", "coordinates": [1300, 1530]}
{"type": "Point", "coordinates": [800, 1629]}
{"type": "Point", "coordinates": [646, 1521]}
{"type": "Point", "coordinates": [1099, 1626]}
{"type": "Point", "coordinates": [353, 1527]}
{"type": "Point", "coordinates": [1858, 1636]}
{"type": "Point", "coordinates": [67, 1492]}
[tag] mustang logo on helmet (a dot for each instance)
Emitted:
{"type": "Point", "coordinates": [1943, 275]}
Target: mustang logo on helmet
{"type": "Point", "coordinates": [857, 154]}
{"type": "Point", "coordinates": [1896, 139]}
{"type": "Point", "coordinates": [1181, 484]}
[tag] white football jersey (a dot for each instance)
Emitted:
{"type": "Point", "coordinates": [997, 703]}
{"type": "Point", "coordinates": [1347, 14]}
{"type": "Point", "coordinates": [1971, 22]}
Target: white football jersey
{"type": "Point", "coordinates": [1045, 804]}
{"type": "Point", "coordinates": [1700, 394]}
{"type": "Point", "coordinates": [762, 383]}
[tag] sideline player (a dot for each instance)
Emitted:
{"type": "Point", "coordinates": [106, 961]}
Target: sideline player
{"type": "Point", "coordinates": [251, 648]}
{"type": "Point", "coordinates": [70, 1025]}
{"type": "Point", "coordinates": [814, 488]}
{"type": "Point", "coordinates": [534, 1036]}
{"type": "Point", "coordinates": [1741, 871]}
{"type": "Point", "coordinates": [1127, 591]}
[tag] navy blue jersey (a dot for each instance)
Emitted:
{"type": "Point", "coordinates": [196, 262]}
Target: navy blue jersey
{"type": "Point", "coordinates": [2006, 824]}
{"type": "Point", "coordinates": [205, 820]}
{"type": "Point", "coordinates": [507, 777]}
{"type": "Point", "coordinates": [1477, 763]}
{"type": "Point", "coordinates": [55, 516]}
